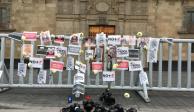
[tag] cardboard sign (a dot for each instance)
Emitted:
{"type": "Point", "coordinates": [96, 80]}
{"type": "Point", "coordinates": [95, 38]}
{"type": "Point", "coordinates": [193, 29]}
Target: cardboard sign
{"type": "Point", "coordinates": [60, 51]}
{"type": "Point", "coordinates": [22, 67]}
{"type": "Point", "coordinates": [134, 53]}
{"type": "Point", "coordinates": [122, 51]}
{"type": "Point", "coordinates": [70, 63]}
{"type": "Point", "coordinates": [97, 66]}
{"type": "Point", "coordinates": [135, 66]}
{"type": "Point", "coordinates": [42, 77]}
{"type": "Point", "coordinates": [74, 39]}
{"type": "Point", "coordinates": [100, 39]}
{"type": "Point", "coordinates": [56, 66]}
{"type": "Point", "coordinates": [108, 76]}
{"type": "Point", "coordinates": [27, 50]}
{"type": "Point", "coordinates": [74, 49]}
{"type": "Point", "coordinates": [50, 51]}
{"type": "Point", "coordinates": [112, 51]}
{"type": "Point", "coordinates": [36, 62]}
{"type": "Point", "coordinates": [45, 37]}
{"type": "Point", "coordinates": [89, 54]}
{"type": "Point", "coordinates": [59, 39]}
{"type": "Point", "coordinates": [78, 88]}
{"type": "Point", "coordinates": [152, 54]}
{"type": "Point", "coordinates": [79, 78]}
{"type": "Point", "coordinates": [29, 36]}
{"type": "Point", "coordinates": [122, 64]}
{"type": "Point", "coordinates": [132, 40]}
{"type": "Point", "coordinates": [143, 79]}
{"type": "Point", "coordinates": [41, 50]}
{"type": "Point", "coordinates": [114, 40]}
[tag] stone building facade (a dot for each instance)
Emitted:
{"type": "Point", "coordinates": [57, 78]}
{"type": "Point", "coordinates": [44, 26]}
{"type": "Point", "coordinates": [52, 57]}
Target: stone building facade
{"type": "Point", "coordinates": [155, 18]}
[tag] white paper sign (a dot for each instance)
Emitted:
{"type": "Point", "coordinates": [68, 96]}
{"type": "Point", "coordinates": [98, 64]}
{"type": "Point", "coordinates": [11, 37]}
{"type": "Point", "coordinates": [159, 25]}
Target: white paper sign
{"type": "Point", "coordinates": [42, 77]}
{"type": "Point", "coordinates": [114, 40]}
{"type": "Point", "coordinates": [74, 49]}
{"type": "Point", "coordinates": [60, 50]}
{"type": "Point", "coordinates": [36, 62]}
{"type": "Point", "coordinates": [152, 54]}
{"type": "Point", "coordinates": [132, 40]}
{"type": "Point", "coordinates": [122, 51]}
{"type": "Point", "coordinates": [143, 78]}
{"type": "Point", "coordinates": [80, 66]}
{"type": "Point", "coordinates": [70, 63]}
{"type": "Point", "coordinates": [108, 76]}
{"type": "Point", "coordinates": [79, 78]}
{"type": "Point", "coordinates": [89, 54]}
{"type": "Point", "coordinates": [22, 67]}
{"type": "Point", "coordinates": [135, 66]}
{"type": "Point", "coordinates": [100, 39]}
{"type": "Point", "coordinates": [1, 72]}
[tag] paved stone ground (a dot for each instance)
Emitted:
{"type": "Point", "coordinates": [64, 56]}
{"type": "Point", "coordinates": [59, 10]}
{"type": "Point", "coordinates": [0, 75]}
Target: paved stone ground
{"type": "Point", "coordinates": [51, 100]}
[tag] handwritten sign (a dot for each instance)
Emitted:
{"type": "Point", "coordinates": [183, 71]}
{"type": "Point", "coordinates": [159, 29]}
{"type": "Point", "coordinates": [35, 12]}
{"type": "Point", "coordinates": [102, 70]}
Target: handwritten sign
{"type": "Point", "coordinates": [36, 62]}
{"type": "Point", "coordinates": [143, 78]}
{"type": "Point", "coordinates": [79, 78]}
{"type": "Point", "coordinates": [114, 40]}
{"type": "Point", "coordinates": [56, 66]}
{"type": "Point", "coordinates": [42, 77]}
{"type": "Point", "coordinates": [22, 67]}
{"type": "Point", "coordinates": [152, 53]}
{"type": "Point", "coordinates": [74, 49]}
{"type": "Point", "coordinates": [122, 51]}
{"type": "Point", "coordinates": [70, 63]}
{"type": "Point", "coordinates": [135, 66]}
{"type": "Point", "coordinates": [89, 54]}
{"type": "Point", "coordinates": [29, 36]}
{"type": "Point", "coordinates": [134, 53]}
{"type": "Point", "coordinates": [108, 76]}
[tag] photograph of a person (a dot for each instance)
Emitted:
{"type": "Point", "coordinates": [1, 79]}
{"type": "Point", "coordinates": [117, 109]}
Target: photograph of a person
{"type": "Point", "coordinates": [74, 39]}
{"type": "Point", "coordinates": [89, 42]}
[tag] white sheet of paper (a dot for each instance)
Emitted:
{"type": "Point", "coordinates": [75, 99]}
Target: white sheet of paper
{"type": "Point", "coordinates": [36, 62]}
{"type": "Point", "coordinates": [143, 78]}
{"type": "Point", "coordinates": [79, 78]}
{"type": "Point", "coordinates": [152, 54]}
{"type": "Point", "coordinates": [22, 67]}
{"type": "Point", "coordinates": [122, 51]}
{"type": "Point", "coordinates": [108, 76]}
{"type": "Point", "coordinates": [135, 66]}
{"type": "Point", "coordinates": [42, 77]}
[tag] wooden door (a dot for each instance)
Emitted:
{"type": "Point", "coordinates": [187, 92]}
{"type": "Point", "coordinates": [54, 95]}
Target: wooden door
{"type": "Point", "coordinates": [107, 29]}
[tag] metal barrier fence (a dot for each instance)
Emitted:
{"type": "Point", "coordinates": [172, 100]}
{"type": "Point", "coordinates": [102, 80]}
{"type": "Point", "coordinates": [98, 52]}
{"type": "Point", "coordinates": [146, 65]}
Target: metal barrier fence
{"type": "Point", "coordinates": [124, 79]}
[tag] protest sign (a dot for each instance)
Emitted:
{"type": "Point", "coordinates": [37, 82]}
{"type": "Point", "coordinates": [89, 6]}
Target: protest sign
{"type": "Point", "coordinates": [60, 51]}
{"type": "Point", "coordinates": [59, 39]}
{"type": "Point", "coordinates": [125, 40]}
{"type": "Point", "coordinates": [42, 77]}
{"type": "Point", "coordinates": [50, 51]}
{"type": "Point", "coordinates": [79, 78]}
{"type": "Point", "coordinates": [29, 36]}
{"type": "Point", "coordinates": [143, 79]}
{"type": "Point", "coordinates": [108, 76]}
{"type": "Point", "coordinates": [70, 63]}
{"type": "Point", "coordinates": [36, 62]}
{"type": "Point", "coordinates": [114, 40]}
{"type": "Point", "coordinates": [100, 39]}
{"type": "Point", "coordinates": [89, 42]}
{"type": "Point", "coordinates": [134, 53]}
{"type": "Point", "coordinates": [89, 54]}
{"type": "Point", "coordinates": [143, 42]}
{"type": "Point", "coordinates": [45, 37]}
{"type": "Point", "coordinates": [80, 66]}
{"type": "Point", "coordinates": [152, 53]}
{"type": "Point", "coordinates": [97, 66]}
{"type": "Point", "coordinates": [74, 39]}
{"type": "Point", "coordinates": [135, 66]}
{"type": "Point", "coordinates": [22, 67]}
{"type": "Point", "coordinates": [27, 50]}
{"type": "Point", "coordinates": [122, 51]}
{"type": "Point", "coordinates": [41, 50]}
{"type": "Point", "coordinates": [122, 65]}
{"type": "Point", "coordinates": [56, 66]}
{"type": "Point", "coordinates": [132, 40]}
{"type": "Point", "coordinates": [74, 49]}
{"type": "Point", "coordinates": [112, 51]}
